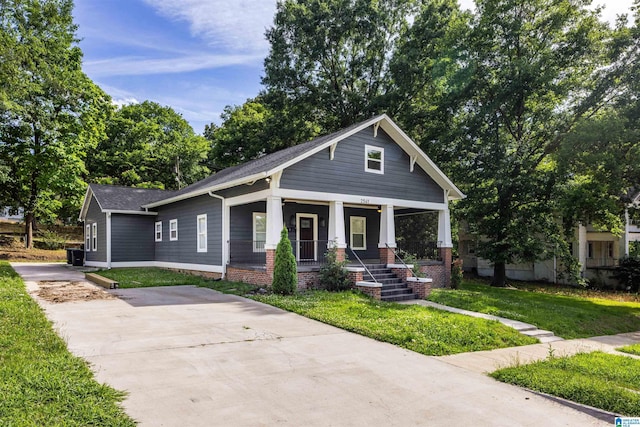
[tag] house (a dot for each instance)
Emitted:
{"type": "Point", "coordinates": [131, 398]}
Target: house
{"type": "Point", "coordinates": [597, 251]}
{"type": "Point", "coordinates": [342, 189]}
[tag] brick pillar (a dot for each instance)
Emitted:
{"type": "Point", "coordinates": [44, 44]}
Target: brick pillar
{"type": "Point", "coordinates": [270, 261]}
{"type": "Point", "coordinates": [340, 254]}
{"type": "Point", "coordinates": [445, 254]}
{"type": "Point", "coordinates": [387, 256]}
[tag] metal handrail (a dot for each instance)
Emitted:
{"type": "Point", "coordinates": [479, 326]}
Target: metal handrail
{"type": "Point", "coordinates": [401, 260]}
{"type": "Point", "coordinates": [363, 266]}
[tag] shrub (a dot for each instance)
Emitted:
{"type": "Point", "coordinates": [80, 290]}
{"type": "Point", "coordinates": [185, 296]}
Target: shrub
{"type": "Point", "coordinates": [285, 276]}
{"type": "Point", "coordinates": [411, 259]}
{"type": "Point", "coordinates": [333, 276]}
{"type": "Point", "coordinates": [52, 240]}
{"type": "Point", "coordinates": [628, 274]}
{"type": "Point", "coordinates": [456, 274]}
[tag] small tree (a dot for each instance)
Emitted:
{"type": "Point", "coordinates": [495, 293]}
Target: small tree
{"type": "Point", "coordinates": [628, 274]}
{"type": "Point", "coordinates": [456, 274]}
{"type": "Point", "coordinates": [333, 276]}
{"type": "Point", "coordinates": [285, 276]}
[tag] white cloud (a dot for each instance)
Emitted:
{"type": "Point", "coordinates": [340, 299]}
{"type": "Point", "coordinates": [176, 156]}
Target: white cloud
{"type": "Point", "coordinates": [119, 102]}
{"type": "Point", "coordinates": [230, 25]}
{"type": "Point", "coordinates": [134, 66]}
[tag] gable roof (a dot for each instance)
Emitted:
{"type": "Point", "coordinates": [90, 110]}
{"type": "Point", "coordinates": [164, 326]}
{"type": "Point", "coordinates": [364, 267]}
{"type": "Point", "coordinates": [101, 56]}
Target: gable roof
{"type": "Point", "coordinates": [275, 162]}
{"type": "Point", "coordinates": [120, 199]}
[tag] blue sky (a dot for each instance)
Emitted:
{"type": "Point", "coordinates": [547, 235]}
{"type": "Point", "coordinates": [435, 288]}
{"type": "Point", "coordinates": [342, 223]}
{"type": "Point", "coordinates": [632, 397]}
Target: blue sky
{"type": "Point", "coordinates": [196, 56]}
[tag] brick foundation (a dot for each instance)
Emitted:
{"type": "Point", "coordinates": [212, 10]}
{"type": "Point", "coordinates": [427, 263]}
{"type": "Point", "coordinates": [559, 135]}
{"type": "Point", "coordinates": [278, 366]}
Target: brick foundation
{"type": "Point", "coordinates": [421, 289]}
{"type": "Point", "coordinates": [308, 279]}
{"type": "Point", "coordinates": [375, 293]}
{"type": "Point", "coordinates": [402, 273]}
{"type": "Point", "coordinates": [446, 257]}
{"type": "Point", "coordinates": [356, 276]}
{"type": "Point", "coordinates": [386, 256]}
{"type": "Point", "coordinates": [270, 261]}
{"type": "Point", "coordinates": [254, 277]}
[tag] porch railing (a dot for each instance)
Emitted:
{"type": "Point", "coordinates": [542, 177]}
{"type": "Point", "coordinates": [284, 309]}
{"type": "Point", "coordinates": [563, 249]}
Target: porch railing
{"type": "Point", "coordinates": [401, 260]}
{"type": "Point", "coordinates": [421, 249]}
{"type": "Point", "coordinates": [307, 252]}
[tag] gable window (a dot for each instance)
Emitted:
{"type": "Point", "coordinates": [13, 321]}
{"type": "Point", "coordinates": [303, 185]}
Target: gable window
{"type": "Point", "coordinates": [201, 224]}
{"type": "Point", "coordinates": [173, 229]}
{"type": "Point", "coordinates": [159, 231]}
{"type": "Point", "coordinates": [87, 238]}
{"type": "Point", "coordinates": [373, 159]}
{"type": "Point", "coordinates": [259, 231]}
{"type": "Point", "coordinates": [94, 236]}
{"type": "Point", "coordinates": [358, 232]}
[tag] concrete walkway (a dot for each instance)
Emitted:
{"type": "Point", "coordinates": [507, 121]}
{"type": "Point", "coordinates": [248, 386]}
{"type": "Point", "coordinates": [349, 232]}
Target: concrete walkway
{"type": "Point", "coordinates": [192, 356]}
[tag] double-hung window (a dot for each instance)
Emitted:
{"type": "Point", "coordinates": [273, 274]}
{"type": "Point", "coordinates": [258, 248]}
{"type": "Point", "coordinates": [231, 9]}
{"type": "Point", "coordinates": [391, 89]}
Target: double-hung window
{"type": "Point", "coordinates": [373, 159]}
{"type": "Point", "coordinates": [87, 238]}
{"type": "Point", "coordinates": [259, 231]}
{"type": "Point", "coordinates": [173, 230]}
{"type": "Point", "coordinates": [159, 231]}
{"type": "Point", "coordinates": [94, 236]}
{"type": "Point", "coordinates": [358, 232]}
{"type": "Point", "coordinates": [201, 224]}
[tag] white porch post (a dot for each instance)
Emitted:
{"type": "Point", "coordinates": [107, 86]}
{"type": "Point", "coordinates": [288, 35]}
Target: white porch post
{"type": "Point", "coordinates": [444, 229]}
{"type": "Point", "coordinates": [387, 228]}
{"type": "Point", "coordinates": [625, 237]}
{"type": "Point", "coordinates": [582, 247]}
{"type": "Point", "coordinates": [336, 232]}
{"type": "Point", "coordinates": [274, 221]}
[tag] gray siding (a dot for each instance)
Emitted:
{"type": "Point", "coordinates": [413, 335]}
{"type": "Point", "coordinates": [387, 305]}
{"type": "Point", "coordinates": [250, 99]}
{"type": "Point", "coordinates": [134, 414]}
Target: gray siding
{"type": "Point", "coordinates": [95, 216]}
{"type": "Point", "coordinates": [290, 209]}
{"type": "Point", "coordinates": [184, 249]}
{"type": "Point", "coordinates": [345, 174]}
{"type": "Point", "coordinates": [372, 232]}
{"type": "Point", "coordinates": [241, 233]}
{"type": "Point", "coordinates": [243, 189]}
{"type": "Point", "coordinates": [132, 238]}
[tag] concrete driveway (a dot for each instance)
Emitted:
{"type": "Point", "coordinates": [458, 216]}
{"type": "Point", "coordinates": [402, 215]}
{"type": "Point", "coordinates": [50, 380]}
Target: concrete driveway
{"type": "Point", "coordinates": [194, 357]}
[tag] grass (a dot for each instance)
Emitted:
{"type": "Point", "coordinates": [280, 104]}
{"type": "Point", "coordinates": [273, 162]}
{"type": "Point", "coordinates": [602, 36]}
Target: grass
{"type": "Point", "coordinates": [569, 313]}
{"type": "Point", "coordinates": [141, 277]}
{"type": "Point", "coordinates": [604, 381]}
{"type": "Point", "coordinates": [421, 329]}
{"type": "Point", "coordinates": [41, 383]}
{"type": "Point", "coordinates": [631, 349]}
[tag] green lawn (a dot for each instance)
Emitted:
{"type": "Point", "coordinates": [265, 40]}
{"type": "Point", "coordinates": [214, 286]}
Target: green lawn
{"type": "Point", "coordinates": [631, 349]}
{"type": "Point", "coordinates": [41, 383]}
{"type": "Point", "coordinates": [421, 329]}
{"type": "Point", "coordinates": [601, 380]}
{"type": "Point", "coordinates": [568, 313]}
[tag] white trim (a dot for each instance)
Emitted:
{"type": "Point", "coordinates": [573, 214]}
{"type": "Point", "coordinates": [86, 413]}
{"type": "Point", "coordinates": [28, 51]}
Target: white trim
{"type": "Point", "coordinates": [108, 235]}
{"type": "Point", "coordinates": [115, 211]}
{"type": "Point", "coordinates": [369, 284]}
{"type": "Point", "coordinates": [400, 266]}
{"type": "Point", "coordinates": [387, 235]}
{"type": "Point", "coordinates": [94, 236]}
{"type": "Point", "coordinates": [85, 204]}
{"type": "Point", "coordinates": [419, 279]}
{"type": "Point", "coordinates": [87, 238]}
{"type": "Point", "coordinates": [100, 264]}
{"type": "Point", "coordinates": [200, 249]}
{"type": "Point", "coordinates": [155, 231]}
{"type": "Point", "coordinates": [274, 222]}
{"type": "Point", "coordinates": [159, 264]}
{"type": "Point", "coordinates": [249, 198]}
{"type": "Point", "coordinates": [364, 234]}
{"type": "Point", "coordinates": [171, 222]}
{"type": "Point", "coordinates": [224, 232]}
{"type": "Point", "coordinates": [315, 234]}
{"type": "Point", "coordinates": [368, 148]}
{"type": "Point", "coordinates": [256, 248]}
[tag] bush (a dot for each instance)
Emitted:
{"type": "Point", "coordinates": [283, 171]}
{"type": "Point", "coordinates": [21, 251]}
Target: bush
{"type": "Point", "coordinates": [52, 240]}
{"type": "Point", "coordinates": [411, 259]}
{"type": "Point", "coordinates": [628, 274]}
{"type": "Point", "coordinates": [456, 274]}
{"type": "Point", "coordinates": [285, 276]}
{"type": "Point", "coordinates": [333, 276]}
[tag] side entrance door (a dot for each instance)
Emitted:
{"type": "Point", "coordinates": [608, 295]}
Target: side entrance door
{"type": "Point", "coordinates": [307, 233]}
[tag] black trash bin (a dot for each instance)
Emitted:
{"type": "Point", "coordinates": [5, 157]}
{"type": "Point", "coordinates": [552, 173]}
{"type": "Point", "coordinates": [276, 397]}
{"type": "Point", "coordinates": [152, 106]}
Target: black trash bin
{"type": "Point", "coordinates": [77, 257]}
{"type": "Point", "coordinates": [69, 256]}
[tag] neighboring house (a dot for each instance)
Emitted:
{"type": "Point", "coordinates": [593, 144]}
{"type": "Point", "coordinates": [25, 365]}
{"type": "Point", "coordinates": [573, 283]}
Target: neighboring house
{"type": "Point", "coordinates": [344, 189]}
{"type": "Point", "coordinates": [10, 214]}
{"type": "Point", "coordinates": [598, 253]}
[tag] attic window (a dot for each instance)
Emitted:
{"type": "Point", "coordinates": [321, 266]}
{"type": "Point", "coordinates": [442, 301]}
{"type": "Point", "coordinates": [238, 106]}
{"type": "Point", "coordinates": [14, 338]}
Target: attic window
{"type": "Point", "coordinates": [374, 159]}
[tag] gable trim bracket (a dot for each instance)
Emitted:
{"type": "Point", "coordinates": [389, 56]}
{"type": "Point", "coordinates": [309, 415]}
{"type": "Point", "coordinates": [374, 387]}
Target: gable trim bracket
{"type": "Point", "coordinates": [412, 163]}
{"type": "Point", "coordinates": [376, 125]}
{"type": "Point", "coordinates": [332, 150]}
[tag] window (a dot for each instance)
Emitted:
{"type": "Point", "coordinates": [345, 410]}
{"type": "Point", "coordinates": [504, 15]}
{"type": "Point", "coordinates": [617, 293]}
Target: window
{"type": "Point", "coordinates": [373, 159]}
{"type": "Point", "coordinates": [201, 224]}
{"type": "Point", "coordinates": [94, 236]}
{"type": "Point", "coordinates": [159, 231]}
{"type": "Point", "coordinates": [87, 238]}
{"type": "Point", "coordinates": [610, 249]}
{"type": "Point", "coordinates": [173, 229]}
{"type": "Point", "coordinates": [358, 232]}
{"type": "Point", "coordinates": [590, 250]}
{"type": "Point", "coordinates": [259, 231]}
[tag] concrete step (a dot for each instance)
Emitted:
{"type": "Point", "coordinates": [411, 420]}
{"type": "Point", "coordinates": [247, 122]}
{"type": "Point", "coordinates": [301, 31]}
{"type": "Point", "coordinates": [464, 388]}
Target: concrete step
{"type": "Point", "coordinates": [393, 292]}
{"type": "Point", "coordinates": [400, 285]}
{"type": "Point", "coordinates": [396, 298]}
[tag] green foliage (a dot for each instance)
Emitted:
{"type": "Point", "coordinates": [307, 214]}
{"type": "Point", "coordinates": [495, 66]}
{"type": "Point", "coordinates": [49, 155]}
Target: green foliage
{"type": "Point", "coordinates": [333, 275]}
{"type": "Point", "coordinates": [41, 382]}
{"type": "Point", "coordinates": [52, 240]}
{"type": "Point", "coordinates": [411, 259]}
{"type": "Point", "coordinates": [51, 113]}
{"type": "Point", "coordinates": [456, 274]}
{"type": "Point", "coordinates": [424, 330]}
{"type": "Point", "coordinates": [148, 145]}
{"type": "Point", "coordinates": [569, 313]}
{"type": "Point", "coordinates": [631, 349]}
{"type": "Point", "coordinates": [628, 274]}
{"type": "Point", "coordinates": [285, 276]}
{"type": "Point", "coordinates": [606, 381]}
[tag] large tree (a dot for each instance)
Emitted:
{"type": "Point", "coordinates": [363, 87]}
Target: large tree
{"type": "Point", "coordinates": [148, 145]}
{"type": "Point", "coordinates": [531, 73]}
{"type": "Point", "coordinates": [50, 112]}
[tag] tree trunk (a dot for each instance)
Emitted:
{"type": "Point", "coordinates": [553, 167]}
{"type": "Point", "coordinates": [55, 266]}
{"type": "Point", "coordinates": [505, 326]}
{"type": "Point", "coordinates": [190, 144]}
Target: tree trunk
{"type": "Point", "coordinates": [28, 229]}
{"type": "Point", "coordinates": [499, 275]}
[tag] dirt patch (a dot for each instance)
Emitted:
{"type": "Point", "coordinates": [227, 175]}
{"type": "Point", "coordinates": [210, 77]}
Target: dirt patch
{"type": "Point", "coordinates": [11, 249]}
{"type": "Point", "coordinates": [63, 291]}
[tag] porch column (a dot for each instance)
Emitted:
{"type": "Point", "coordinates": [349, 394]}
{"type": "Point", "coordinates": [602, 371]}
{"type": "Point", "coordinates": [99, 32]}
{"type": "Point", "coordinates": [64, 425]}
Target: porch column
{"type": "Point", "coordinates": [387, 242]}
{"type": "Point", "coordinates": [336, 232]}
{"type": "Point", "coordinates": [445, 244]}
{"type": "Point", "coordinates": [274, 227]}
{"type": "Point", "coordinates": [625, 237]}
{"type": "Point", "coordinates": [582, 248]}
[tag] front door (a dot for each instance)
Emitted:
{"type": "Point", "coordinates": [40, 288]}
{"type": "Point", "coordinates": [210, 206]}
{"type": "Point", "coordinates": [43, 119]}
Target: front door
{"type": "Point", "coordinates": [306, 237]}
